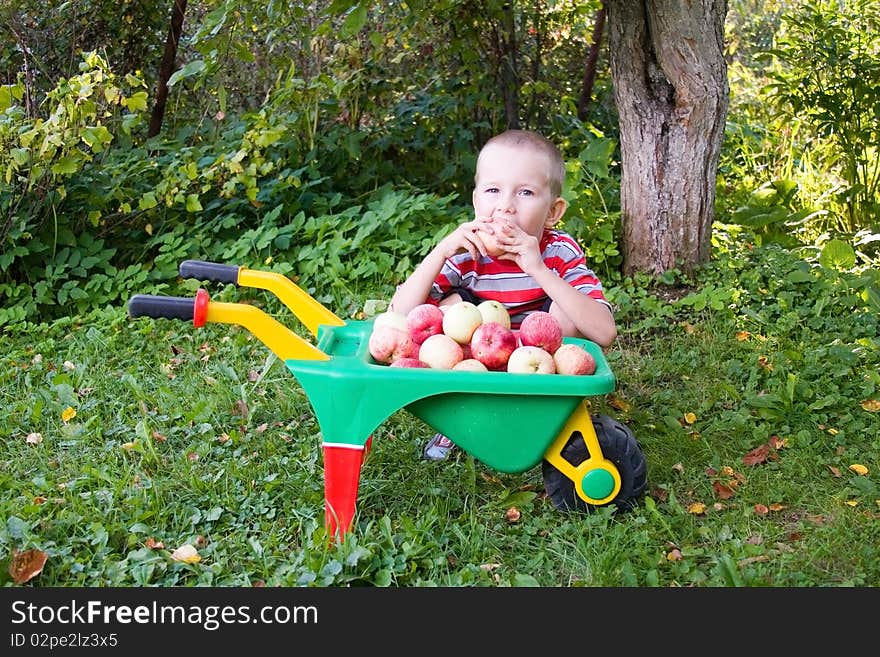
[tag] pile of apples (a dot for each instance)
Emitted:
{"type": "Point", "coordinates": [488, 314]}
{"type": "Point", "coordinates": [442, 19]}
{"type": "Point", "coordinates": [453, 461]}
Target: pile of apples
{"type": "Point", "coordinates": [477, 338]}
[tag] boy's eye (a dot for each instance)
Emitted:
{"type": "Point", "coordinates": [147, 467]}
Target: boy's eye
{"type": "Point", "coordinates": [492, 190]}
{"type": "Point", "coordinates": [526, 192]}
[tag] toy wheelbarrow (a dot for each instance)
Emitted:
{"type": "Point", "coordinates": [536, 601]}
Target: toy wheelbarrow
{"type": "Point", "coordinates": [587, 461]}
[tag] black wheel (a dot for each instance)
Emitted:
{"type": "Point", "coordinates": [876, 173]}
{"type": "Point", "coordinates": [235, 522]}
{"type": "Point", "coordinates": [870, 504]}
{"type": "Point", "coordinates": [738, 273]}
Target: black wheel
{"type": "Point", "coordinates": [619, 446]}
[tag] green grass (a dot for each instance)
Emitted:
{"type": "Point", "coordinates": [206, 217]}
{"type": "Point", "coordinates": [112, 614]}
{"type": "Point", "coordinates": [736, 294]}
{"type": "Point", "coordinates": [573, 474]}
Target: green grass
{"type": "Point", "coordinates": [201, 437]}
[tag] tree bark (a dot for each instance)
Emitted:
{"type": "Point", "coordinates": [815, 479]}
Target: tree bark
{"type": "Point", "coordinates": [166, 69]}
{"type": "Point", "coordinates": [507, 61]}
{"type": "Point", "coordinates": [672, 95]}
{"type": "Point", "coordinates": [590, 68]}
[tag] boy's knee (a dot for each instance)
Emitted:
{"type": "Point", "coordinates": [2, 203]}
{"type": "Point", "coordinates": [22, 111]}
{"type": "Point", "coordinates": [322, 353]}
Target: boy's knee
{"type": "Point", "coordinates": [452, 298]}
{"type": "Point", "coordinates": [568, 327]}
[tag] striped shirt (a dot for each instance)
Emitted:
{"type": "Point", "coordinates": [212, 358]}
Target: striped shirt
{"type": "Point", "coordinates": [503, 280]}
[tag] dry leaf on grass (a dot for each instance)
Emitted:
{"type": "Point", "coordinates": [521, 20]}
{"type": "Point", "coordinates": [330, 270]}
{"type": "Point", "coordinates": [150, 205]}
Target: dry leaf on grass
{"type": "Point", "coordinates": [27, 565]}
{"type": "Point", "coordinates": [187, 554]}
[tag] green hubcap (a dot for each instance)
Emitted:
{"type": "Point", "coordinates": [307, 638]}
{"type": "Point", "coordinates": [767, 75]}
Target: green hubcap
{"type": "Point", "coordinates": [597, 484]}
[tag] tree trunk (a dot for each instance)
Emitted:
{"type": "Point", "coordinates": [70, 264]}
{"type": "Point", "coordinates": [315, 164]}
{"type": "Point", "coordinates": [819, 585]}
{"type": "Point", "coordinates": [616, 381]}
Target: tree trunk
{"type": "Point", "coordinates": [507, 61]}
{"type": "Point", "coordinates": [590, 68]}
{"type": "Point", "coordinates": [672, 94]}
{"type": "Point", "coordinates": [167, 67]}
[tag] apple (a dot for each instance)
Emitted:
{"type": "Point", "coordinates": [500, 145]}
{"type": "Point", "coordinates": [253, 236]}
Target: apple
{"type": "Point", "coordinates": [461, 320]}
{"type": "Point", "coordinates": [390, 318]}
{"type": "Point", "coordinates": [492, 247]}
{"type": "Point", "coordinates": [440, 352]}
{"type": "Point", "coordinates": [408, 362]}
{"type": "Point", "coordinates": [470, 365]}
{"type": "Point", "coordinates": [531, 360]}
{"type": "Point", "coordinates": [492, 344]}
{"type": "Point", "coordinates": [574, 359]}
{"type": "Point", "coordinates": [494, 311]}
{"type": "Point", "coordinates": [388, 344]}
{"type": "Point", "coordinates": [423, 321]}
{"type": "Point", "coordinates": [541, 329]}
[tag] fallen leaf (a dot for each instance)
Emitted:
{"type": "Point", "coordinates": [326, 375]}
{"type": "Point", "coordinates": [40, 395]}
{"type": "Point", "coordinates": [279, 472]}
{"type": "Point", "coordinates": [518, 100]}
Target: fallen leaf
{"type": "Point", "coordinates": [761, 509]}
{"type": "Point", "coordinates": [158, 437]}
{"type": "Point", "coordinates": [674, 555]}
{"type": "Point", "coordinates": [68, 414]}
{"type": "Point", "coordinates": [859, 469]}
{"type": "Point", "coordinates": [153, 544]}
{"type": "Point", "coordinates": [27, 565]}
{"type": "Point", "coordinates": [186, 554]}
{"type": "Point", "coordinates": [697, 508]}
{"type": "Point", "coordinates": [512, 515]}
{"type": "Point", "coordinates": [678, 467]}
{"type": "Point", "coordinates": [489, 567]}
{"type": "Point", "coordinates": [776, 506]}
{"type": "Point", "coordinates": [871, 405]}
{"type": "Point", "coordinates": [757, 455]}
{"type": "Point", "coordinates": [39, 499]}
{"type": "Point", "coordinates": [616, 402]}
{"type": "Point", "coordinates": [852, 502]}
{"type": "Point", "coordinates": [241, 408]}
{"type": "Point", "coordinates": [742, 336]}
{"type": "Point", "coordinates": [834, 471]}
{"type": "Point", "coordinates": [690, 418]}
{"type": "Point", "coordinates": [34, 438]}
{"type": "Point", "coordinates": [722, 491]}
{"type": "Point", "coordinates": [764, 362]}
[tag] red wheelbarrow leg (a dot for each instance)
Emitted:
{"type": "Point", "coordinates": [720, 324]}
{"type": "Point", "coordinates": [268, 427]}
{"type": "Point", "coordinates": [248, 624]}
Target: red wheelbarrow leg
{"type": "Point", "coordinates": [342, 473]}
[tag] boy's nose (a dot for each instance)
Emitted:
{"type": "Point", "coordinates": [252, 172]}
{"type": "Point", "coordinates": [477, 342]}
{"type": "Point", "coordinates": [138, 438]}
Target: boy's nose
{"type": "Point", "coordinates": [505, 204]}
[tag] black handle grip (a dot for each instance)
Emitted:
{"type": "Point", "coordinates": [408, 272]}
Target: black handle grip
{"type": "Point", "coordinates": [209, 271]}
{"type": "Point", "coordinates": [147, 305]}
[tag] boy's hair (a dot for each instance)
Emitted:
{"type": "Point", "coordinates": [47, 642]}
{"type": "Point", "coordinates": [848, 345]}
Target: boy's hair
{"type": "Point", "coordinates": [541, 144]}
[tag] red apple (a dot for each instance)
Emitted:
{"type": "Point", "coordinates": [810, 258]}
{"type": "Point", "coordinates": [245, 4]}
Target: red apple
{"type": "Point", "coordinates": [494, 311]}
{"type": "Point", "coordinates": [440, 352]}
{"type": "Point", "coordinates": [492, 247]}
{"type": "Point", "coordinates": [423, 321]}
{"type": "Point", "coordinates": [492, 345]}
{"type": "Point", "coordinates": [470, 365]}
{"type": "Point", "coordinates": [388, 344]}
{"type": "Point", "coordinates": [531, 360]}
{"type": "Point", "coordinates": [461, 320]}
{"type": "Point", "coordinates": [574, 359]}
{"type": "Point", "coordinates": [408, 362]}
{"type": "Point", "coordinates": [540, 329]}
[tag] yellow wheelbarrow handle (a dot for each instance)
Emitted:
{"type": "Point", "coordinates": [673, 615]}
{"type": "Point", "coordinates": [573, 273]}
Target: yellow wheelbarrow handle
{"type": "Point", "coordinates": [307, 309]}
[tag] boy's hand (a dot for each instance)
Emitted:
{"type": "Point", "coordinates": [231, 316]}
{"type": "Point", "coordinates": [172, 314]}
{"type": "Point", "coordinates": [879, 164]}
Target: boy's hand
{"type": "Point", "coordinates": [519, 246]}
{"type": "Point", "coordinates": [469, 236]}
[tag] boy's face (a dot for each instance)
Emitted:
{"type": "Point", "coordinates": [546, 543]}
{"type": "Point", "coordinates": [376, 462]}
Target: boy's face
{"type": "Point", "coordinates": [513, 182]}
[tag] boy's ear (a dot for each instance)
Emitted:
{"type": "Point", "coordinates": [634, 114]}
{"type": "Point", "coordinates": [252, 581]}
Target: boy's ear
{"type": "Point", "coordinates": [557, 209]}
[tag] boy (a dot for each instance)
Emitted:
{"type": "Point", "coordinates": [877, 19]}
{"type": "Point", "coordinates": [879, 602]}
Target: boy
{"type": "Point", "coordinates": [517, 202]}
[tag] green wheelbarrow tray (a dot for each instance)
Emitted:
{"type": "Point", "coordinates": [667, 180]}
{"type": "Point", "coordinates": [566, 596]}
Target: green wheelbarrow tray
{"type": "Point", "coordinates": [505, 420]}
